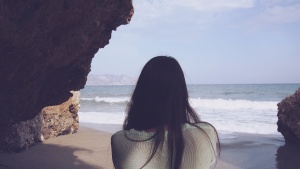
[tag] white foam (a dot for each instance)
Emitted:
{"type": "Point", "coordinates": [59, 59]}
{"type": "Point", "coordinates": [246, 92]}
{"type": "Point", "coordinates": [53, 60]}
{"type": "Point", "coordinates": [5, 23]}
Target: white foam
{"type": "Point", "coordinates": [252, 127]}
{"type": "Point", "coordinates": [232, 104]}
{"type": "Point", "coordinates": [258, 117]}
{"type": "Point", "coordinates": [245, 116]}
{"type": "Point", "coordinates": [107, 99]}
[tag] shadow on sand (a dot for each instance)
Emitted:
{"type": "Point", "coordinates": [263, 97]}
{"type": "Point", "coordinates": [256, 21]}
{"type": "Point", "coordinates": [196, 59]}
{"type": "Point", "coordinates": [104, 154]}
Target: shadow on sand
{"type": "Point", "coordinates": [45, 156]}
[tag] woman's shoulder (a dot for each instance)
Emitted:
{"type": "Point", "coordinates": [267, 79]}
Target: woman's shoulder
{"type": "Point", "coordinates": [133, 134]}
{"type": "Point", "coordinates": [201, 129]}
{"type": "Point", "coordinates": [120, 133]}
{"type": "Point", "coordinates": [201, 125]}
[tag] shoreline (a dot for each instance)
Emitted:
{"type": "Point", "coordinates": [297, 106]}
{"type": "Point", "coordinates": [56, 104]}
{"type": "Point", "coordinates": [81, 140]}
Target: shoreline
{"type": "Point", "coordinates": [90, 149]}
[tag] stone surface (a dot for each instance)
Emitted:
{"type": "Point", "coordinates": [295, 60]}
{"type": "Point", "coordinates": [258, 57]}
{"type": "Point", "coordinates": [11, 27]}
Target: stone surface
{"type": "Point", "coordinates": [46, 49]}
{"type": "Point", "coordinates": [61, 119]}
{"type": "Point", "coordinates": [289, 118]}
{"type": "Point", "coordinates": [52, 121]}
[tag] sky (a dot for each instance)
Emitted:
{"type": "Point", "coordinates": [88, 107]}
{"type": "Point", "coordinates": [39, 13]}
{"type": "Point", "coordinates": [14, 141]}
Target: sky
{"type": "Point", "coordinates": [215, 41]}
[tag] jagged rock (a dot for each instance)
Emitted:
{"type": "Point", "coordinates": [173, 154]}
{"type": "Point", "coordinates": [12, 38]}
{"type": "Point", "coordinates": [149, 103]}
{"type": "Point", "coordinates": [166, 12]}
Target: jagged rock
{"type": "Point", "coordinates": [61, 119]}
{"type": "Point", "coordinates": [52, 121]}
{"type": "Point", "coordinates": [46, 49]}
{"type": "Point", "coordinates": [289, 118]}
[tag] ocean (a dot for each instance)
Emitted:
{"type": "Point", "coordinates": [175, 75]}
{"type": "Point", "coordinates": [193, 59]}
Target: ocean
{"type": "Point", "coordinates": [247, 108]}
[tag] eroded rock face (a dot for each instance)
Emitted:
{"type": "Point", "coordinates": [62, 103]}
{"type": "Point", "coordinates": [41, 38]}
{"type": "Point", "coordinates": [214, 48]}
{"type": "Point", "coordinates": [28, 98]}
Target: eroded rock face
{"type": "Point", "coordinates": [52, 121]}
{"type": "Point", "coordinates": [61, 119]}
{"type": "Point", "coordinates": [289, 118]}
{"type": "Point", "coordinates": [46, 49]}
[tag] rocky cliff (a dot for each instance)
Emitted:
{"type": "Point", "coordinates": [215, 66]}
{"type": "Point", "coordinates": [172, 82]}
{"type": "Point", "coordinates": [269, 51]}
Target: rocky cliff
{"type": "Point", "coordinates": [46, 49]}
{"type": "Point", "coordinates": [289, 118]}
{"type": "Point", "coordinates": [52, 121]}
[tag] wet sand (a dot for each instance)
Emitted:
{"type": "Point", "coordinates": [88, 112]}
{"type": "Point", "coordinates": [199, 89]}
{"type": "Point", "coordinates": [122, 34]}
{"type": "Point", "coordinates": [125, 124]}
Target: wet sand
{"type": "Point", "coordinates": [256, 151]}
{"type": "Point", "coordinates": [90, 149]}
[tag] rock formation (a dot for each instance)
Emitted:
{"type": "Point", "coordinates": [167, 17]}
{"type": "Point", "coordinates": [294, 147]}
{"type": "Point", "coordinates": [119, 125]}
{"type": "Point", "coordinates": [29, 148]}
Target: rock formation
{"type": "Point", "coordinates": [61, 119]}
{"type": "Point", "coordinates": [289, 118]}
{"type": "Point", "coordinates": [46, 49]}
{"type": "Point", "coordinates": [52, 121]}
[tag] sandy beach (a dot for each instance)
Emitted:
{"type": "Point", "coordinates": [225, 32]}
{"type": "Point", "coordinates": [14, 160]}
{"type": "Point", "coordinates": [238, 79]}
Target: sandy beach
{"type": "Point", "coordinates": [87, 149]}
{"type": "Point", "coordinates": [90, 149]}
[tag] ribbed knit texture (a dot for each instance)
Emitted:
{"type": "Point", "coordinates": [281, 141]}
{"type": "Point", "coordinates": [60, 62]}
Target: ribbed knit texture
{"type": "Point", "coordinates": [199, 151]}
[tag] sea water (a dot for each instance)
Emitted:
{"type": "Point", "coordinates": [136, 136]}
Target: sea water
{"type": "Point", "coordinates": [248, 108]}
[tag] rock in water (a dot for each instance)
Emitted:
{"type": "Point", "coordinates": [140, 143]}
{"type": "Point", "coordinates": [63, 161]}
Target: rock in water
{"type": "Point", "coordinates": [46, 49]}
{"type": "Point", "coordinates": [289, 118]}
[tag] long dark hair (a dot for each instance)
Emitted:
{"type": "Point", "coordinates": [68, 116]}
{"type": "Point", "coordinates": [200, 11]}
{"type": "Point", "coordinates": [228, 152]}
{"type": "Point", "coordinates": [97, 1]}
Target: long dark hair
{"type": "Point", "coordinates": [159, 102]}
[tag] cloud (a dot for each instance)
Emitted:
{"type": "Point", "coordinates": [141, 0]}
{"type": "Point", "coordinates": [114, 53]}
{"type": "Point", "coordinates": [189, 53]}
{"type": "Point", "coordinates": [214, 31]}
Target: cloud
{"type": "Point", "coordinates": [148, 10]}
{"type": "Point", "coordinates": [215, 5]}
{"type": "Point", "coordinates": [188, 15]}
{"type": "Point", "coordinates": [280, 14]}
{"type": "Point", "coordinates": [145, 10]}
{"type": "Point", "coordinates": [272, 15]}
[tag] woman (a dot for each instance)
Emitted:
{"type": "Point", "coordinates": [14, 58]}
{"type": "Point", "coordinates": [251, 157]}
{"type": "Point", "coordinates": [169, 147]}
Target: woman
{"type": "Point", "coordinates": [161, 130]}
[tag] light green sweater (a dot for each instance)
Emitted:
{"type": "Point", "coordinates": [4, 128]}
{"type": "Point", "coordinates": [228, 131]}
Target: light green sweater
{"type": "Point", "coordinates": [199, 151]}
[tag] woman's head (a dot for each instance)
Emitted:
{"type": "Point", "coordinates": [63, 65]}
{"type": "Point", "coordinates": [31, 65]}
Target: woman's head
{"type": "Point", "coordinates": [160, 100]}
{"type": "Point", "coordinates": [160, 97]}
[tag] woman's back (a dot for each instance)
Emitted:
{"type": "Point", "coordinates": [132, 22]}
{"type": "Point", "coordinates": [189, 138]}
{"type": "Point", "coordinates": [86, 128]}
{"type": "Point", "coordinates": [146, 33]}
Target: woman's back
{"type": "Point", "coordinates": [160, 102]}
{"type": "Point", "coordinates": [131, 151]}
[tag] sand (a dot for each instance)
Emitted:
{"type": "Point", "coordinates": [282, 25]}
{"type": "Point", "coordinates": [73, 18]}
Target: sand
{"type": "Point", "coordinates": [87, 149]}
{"type": "Point", "coordinates": [90, 149]}
{"type": "Point", "coordinates": [256, 151]}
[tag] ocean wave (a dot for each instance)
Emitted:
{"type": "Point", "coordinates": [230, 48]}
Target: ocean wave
{"type": "Point", "coordinates": [225, 126]}
{"type": "Point", "coordinates": [200, 103]}
{"type": "Point", "coordinates": [228, 104]}
{"type": "Point", "coordinates": [107, 99]}
{"type": "Point", "coordinates": [234, 93]}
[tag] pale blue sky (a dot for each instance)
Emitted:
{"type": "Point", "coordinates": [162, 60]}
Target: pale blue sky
{"type": "Point", "coordinates": [215, 41]}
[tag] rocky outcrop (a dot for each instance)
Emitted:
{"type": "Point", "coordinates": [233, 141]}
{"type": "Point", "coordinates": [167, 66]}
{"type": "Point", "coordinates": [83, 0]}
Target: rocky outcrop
{"type": "Point", "coordinates": [46, 49]}
{"type": "Point", "coordinates": [52, 121]}
{"type": "Point", "coordinates": [289, 118]}
{"type": "Point", "coordinates": [61, 119]}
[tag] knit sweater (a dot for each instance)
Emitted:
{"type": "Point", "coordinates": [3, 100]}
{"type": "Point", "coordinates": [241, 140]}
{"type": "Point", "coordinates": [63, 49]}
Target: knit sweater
{"type": "Point", "coordinates": [199, 150]}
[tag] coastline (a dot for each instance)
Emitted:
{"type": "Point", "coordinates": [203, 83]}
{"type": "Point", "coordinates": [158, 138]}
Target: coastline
{"type": "Point", "coordinates": [90, 149]}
